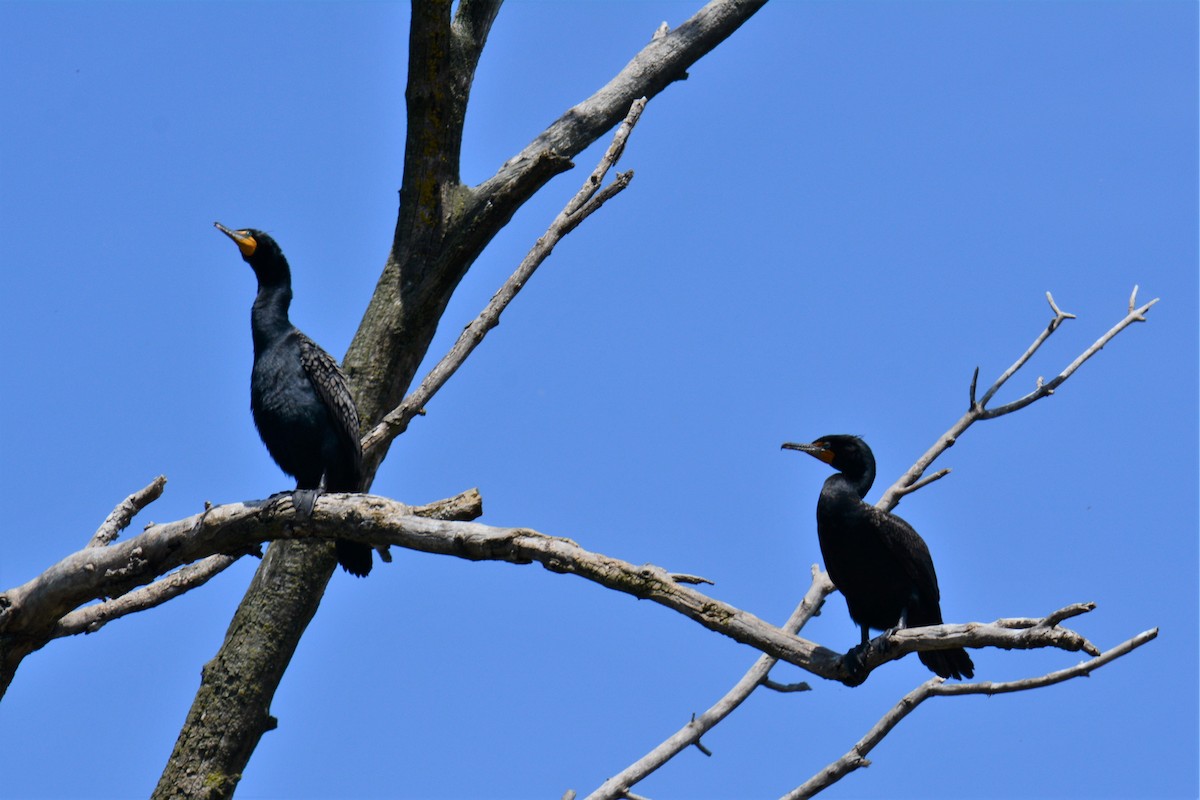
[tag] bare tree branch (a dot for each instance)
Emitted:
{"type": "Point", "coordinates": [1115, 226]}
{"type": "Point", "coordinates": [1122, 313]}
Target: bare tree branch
{"type": "Point", "coordinates": [204, 544]}
{"type": "Point", "coordinates": [979, 410]}
{"type": "Point", "coordinates": [619, 785]}
{"type": "Point", "coordinates": [664, 60]}
{"type": "Point", "coordinates": [441, 228]}
{"type": "Point", "coordinates": [937, 687]}
{"type": "Point", "coordinates": [895, 644]}
{"type": "Point", "coordinates": [92, 618]}
{"type": "Point", "coordinates": [30, 612]}
{"type": "Point", "coordinates": [126, 510]}
{"type": "Point", "coordinates": [467, 505]}
{"type": "Point", "coordinates": [1045, 389]}
{"type": "Point", "coordinates": [588, 200]}
{"type": "Point", "coordinates": [883, 648]}
{"type": "Point", "coordinates": [1059, 317]}
{"type": "Point", "coordinates": [444, 225]}
{"type": "Point", "coordinates": [928, 479]}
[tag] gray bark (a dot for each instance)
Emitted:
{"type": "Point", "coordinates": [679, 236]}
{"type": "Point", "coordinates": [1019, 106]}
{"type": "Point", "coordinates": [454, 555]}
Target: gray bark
{"type": "Point", "coordinates": [441, 229]}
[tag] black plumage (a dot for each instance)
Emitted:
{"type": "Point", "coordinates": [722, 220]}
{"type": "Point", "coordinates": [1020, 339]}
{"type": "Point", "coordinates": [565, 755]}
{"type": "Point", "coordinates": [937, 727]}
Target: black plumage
{"type": "Point", "coordinates": [878, 562]}
{"type": "Point", "coordinates": [301, 402]}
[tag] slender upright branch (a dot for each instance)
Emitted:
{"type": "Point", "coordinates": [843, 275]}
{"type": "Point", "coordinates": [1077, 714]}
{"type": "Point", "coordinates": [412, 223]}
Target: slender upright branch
{"type": "Point", "coordinates": [588, 200]}
{"type": "Point", "coordinates": [1059, 317]}
{"type": "Point", "coordinates": [1045, 389]}
{"type": "Point", "coordinates": [979, 410]}
{"type": "Point", "coordinates": [443, 225]}
{"type": "Point", "coordinates": [618, 786]}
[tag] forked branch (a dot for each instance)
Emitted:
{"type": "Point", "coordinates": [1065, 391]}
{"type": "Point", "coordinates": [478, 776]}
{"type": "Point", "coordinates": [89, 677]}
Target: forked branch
{"type": "Point", "coordinates": [856, 758]}
{"type": "Point", "coordinates": [137, 574]}
{"type": "Point", "coordinates": [588, 200]}
{"type": "Point", "coordinates": [979, 410]}
{"type": "Point", "coordinates": [618, 785]}
{"type": "Point", "coordinates": [885, 648]}
{"type": "Point", "coordinates": [29, 613]}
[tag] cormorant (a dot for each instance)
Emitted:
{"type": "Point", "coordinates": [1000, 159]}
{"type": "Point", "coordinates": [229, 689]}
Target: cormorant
{"type": "Point", "coordinates": [880, 564]}
{"type": "Point", "coordinates": [301, 402]}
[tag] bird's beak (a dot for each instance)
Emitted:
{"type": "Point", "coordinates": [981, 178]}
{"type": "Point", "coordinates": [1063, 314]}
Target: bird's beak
{"type": "Point", "coordinates": [244, 241]}
{"type": "Point", "coordinates": [818, 450]}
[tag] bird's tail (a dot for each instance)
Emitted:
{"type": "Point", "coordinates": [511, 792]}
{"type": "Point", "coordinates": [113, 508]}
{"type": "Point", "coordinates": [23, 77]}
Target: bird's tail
{"type": "Point", "coordinates": [949, 663]}
{"type": "Point", "coordinates": [355, 557]}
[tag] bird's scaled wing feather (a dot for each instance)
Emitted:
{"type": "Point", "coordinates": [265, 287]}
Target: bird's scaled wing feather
{"type": "Point", "coordinates": [331, 385]}
{"type": "Point", "coordinates": [910, 550]}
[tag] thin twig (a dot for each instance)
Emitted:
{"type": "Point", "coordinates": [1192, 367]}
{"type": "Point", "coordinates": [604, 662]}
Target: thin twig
{"type": "Point", "coordinates": [908, 483]}
{"type": "Point", "coordinates": [1003, 633]}
{"type": "Point", "coordinates": [92, 618]}
{"type": "Point", "coordinates": [979, 410]}
{"type": "Point", "coordinates": [1047, 388]}
{"type": "Point", "coordinates": [1073, 610]}
{"type": "Point", "coordinates": [585, 202]}
{"type": "Point", "coordinates": [936, 687]}
{"type": "Point", "coordinates": [125, 511]}
{"type": "Point", "coordinates": [1059, 317]}
{"type": "Point", "coordinates": [689, 735]}
{"type": "Point", "coordinates": [928, 479]}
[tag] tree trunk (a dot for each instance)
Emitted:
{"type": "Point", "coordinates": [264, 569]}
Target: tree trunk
{"type": "Point", "coordinates": [441, 229]}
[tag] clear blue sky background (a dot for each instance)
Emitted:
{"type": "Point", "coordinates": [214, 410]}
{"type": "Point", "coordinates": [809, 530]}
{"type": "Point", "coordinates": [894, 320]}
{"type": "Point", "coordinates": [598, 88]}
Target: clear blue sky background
{"type": "Point", "coordinates": [845, 210]}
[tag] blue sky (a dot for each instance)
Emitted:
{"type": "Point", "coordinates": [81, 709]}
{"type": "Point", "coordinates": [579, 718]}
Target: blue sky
{"type": "Point", "coordinates": [842, 212]}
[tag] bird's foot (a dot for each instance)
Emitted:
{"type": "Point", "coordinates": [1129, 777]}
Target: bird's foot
{"type": "Point", "coordinates": [853, 660]}
{"type": "Point", "coordinates": [303, 500]}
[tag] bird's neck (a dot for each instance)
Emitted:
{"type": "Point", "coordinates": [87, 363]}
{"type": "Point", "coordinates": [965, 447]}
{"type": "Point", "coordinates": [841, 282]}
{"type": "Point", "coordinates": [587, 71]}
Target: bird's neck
{"type": "Point", "coordinates": [269, 316]}
{"type": "Point", "coordinates": [849, 486]}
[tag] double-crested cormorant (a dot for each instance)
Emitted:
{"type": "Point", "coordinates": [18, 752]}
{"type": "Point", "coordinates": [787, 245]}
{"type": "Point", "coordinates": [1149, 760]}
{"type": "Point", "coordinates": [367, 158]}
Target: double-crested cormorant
{"type": "Point", "coordinates": [301, 402]}
{"type": "Point", "coordinates": [880, 564]}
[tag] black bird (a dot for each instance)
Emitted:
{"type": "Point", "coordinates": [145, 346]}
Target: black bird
{"type": "Point", "coordinates": [301, 402]}
{"type": "Point", "coordinates": [881, 565]}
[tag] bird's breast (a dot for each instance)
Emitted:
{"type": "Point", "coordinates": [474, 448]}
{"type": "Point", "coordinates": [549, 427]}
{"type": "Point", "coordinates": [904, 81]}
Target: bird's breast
{"type": "Point", "coordinates": [279, 386]}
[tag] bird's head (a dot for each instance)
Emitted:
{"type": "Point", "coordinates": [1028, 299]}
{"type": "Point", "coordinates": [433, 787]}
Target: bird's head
{"type": "Point", "coordinates": [845, 453]}
{"type": "Point", "coordinates": [261, 252]}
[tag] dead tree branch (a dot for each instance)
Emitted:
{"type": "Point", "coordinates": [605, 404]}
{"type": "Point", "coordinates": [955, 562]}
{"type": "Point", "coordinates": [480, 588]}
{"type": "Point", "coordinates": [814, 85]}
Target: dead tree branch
{"type": "Point", "coordinates": [30, 613]}
{"type": "Point", "coordinates": [936, 687]}
{"type": "Point", "coordinates": [92, 618]}
{"type": "Point", "coordinates": [978, 409]}
{"type": "Point", "coordinates": [126, 510]}
{"type": "Point", "coordinates": [442, 227]}
{"type": "Point", "coordinates": [885, 648]}
{"type": "Point", "coordinates": [47, 607]}
{"type": "Point", "coordinates": [588, 200]}
{"type": "Point", "coordinates": [618, 786]}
